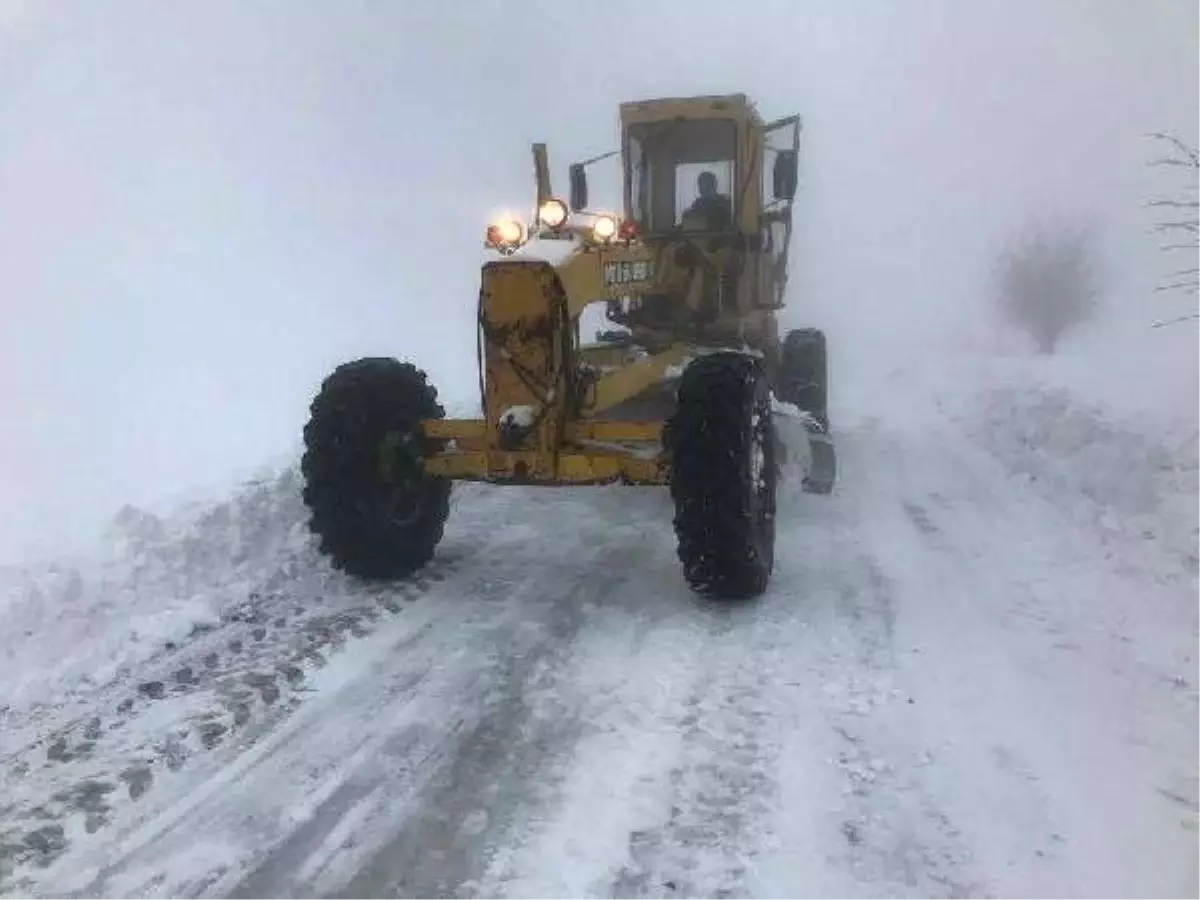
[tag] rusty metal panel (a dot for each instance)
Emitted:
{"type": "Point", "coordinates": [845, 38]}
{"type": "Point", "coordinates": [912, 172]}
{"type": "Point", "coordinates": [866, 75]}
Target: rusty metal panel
{"type": "Point", "coordinates": [526, 335]}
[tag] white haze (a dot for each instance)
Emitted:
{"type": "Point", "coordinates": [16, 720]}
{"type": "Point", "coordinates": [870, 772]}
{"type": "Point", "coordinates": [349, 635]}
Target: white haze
{"type": "Point", "coordinates": [206, 206]}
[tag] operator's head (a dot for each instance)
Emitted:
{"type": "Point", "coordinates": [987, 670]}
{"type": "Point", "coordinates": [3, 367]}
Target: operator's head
{"type": "Point", "coordinates": [707, 183]}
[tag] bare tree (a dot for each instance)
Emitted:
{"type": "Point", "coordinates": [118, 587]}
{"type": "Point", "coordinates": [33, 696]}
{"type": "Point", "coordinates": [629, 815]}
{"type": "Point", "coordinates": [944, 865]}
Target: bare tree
{"type": "Point", "coordinates": [1179, 217]}
{"type": "Point", "coordinates": [1046, 283]}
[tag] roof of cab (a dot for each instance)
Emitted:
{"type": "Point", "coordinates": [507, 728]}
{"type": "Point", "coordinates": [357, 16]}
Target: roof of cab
{"type": "Point", "coordinates": [713, 106]}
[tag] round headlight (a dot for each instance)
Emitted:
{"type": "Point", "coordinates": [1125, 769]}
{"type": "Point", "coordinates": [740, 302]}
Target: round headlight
{"type": "Point", "coordinates": [506, 235]}
{"type": "Point", "coordinates": [605, 228]}
{"type": "Point", "coordinates": [553, 213]}
{"type": "Point", "coordinates": [510, 231]}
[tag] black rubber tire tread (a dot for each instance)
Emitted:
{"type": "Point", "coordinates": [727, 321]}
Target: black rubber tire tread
{"type": "Point", "coordinates": [803, 373]}
{"type": "Point", "coordinates": [727, 551]}
{"type": "Point", "coordinates": [357, 407]}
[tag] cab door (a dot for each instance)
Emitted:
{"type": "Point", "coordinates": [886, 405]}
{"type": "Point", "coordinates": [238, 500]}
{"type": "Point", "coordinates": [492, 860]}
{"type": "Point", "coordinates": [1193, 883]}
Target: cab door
{"type": "Point", "coordinates": [780, 177]}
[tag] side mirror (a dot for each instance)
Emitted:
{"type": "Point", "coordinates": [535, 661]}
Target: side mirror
{"type": "Point", "coordinates": [541, 173]}
{"type": "Point", "coordinates": [579, 187]}
{"type": "Point", "coordinates": [786, 174]}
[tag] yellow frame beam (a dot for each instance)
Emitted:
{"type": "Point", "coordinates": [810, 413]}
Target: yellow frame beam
{"type": "Point", "coordinates": [631, 379]}
{"type": "Point", "coordinates": [570, 468]}
{"type": "Point", "coordinates": [592, 453]}
{"type": "Point", "coordinates": [600, 430]}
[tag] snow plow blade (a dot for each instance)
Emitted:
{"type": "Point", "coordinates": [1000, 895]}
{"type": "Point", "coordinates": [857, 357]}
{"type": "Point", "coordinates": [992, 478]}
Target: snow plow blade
{"type": "Point", "coordinates": [804, 446]}
{"type": "Point", "coordinates": [822, 467]}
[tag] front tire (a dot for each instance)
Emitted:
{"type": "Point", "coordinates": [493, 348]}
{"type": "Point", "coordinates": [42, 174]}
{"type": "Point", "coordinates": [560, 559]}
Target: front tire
{"type": "Point", "coordinates": [721, 442]}
{"type": "Point", "coordinates": [376, 513]}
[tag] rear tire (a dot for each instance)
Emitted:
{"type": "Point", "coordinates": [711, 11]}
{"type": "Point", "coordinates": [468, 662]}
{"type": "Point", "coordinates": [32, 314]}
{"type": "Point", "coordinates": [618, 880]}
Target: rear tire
{"type": "Point", "coordinates": [803, 373]}
{"type": "Point", "coordinates": [376, 513]}
{"type": "Point", "coordinates": [721, 440]}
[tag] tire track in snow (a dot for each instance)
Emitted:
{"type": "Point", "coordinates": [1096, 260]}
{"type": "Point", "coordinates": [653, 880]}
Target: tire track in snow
{"type": "Point", "coordinates": [895, 839]}
{"type": "Point", "coordinates": [722, 784]}
{"type": "Point", "coordinates": [229, 682]}
{"type": "Point", "coordinates": [1022, 656]}
{"type": "Point", "coordinates": [740, 772]}
{"type": "Point", "coordinates": [507, 763]}
{"type": "Point", "coordinates": [383, 750]}
{"type": "Point", "coordinates": [667, 786]}
{"type": "Point", "coordinates": [506, 758]}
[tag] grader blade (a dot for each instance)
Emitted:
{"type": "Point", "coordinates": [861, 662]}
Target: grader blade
{"type": "Point", "coordinates": [805, 449]}
{"type": "Point", "coordinates": [822, 469]}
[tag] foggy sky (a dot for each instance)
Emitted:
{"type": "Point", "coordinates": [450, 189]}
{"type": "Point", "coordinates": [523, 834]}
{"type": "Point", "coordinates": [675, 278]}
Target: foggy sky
{"type": "Point", "coordinates": [204, 207]}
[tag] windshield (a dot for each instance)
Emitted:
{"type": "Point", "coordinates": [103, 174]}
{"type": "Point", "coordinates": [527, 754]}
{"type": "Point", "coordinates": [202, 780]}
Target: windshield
{"type": "Point", "coordinates": [682, 173]}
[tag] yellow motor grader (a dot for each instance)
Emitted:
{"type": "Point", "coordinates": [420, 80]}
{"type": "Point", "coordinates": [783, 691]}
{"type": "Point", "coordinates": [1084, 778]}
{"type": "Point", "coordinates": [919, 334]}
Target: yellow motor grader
{"type": "Point", "coordinates": [681, 392]}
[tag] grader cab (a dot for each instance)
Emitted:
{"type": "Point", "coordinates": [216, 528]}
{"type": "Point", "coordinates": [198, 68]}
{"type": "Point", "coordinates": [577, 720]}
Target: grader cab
{"type": "Point", "coordinates": [682, 393]}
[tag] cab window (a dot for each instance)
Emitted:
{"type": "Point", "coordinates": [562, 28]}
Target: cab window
{"type": "Point", "coordinates": [666, 161]}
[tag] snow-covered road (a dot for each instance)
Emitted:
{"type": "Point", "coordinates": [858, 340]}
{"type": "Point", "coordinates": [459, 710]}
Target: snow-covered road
{"type": "Point", "coordinates": [951, 689]}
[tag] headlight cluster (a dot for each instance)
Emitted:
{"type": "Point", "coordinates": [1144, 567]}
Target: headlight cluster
{"type": "Point", "coordinates": [508, 235]}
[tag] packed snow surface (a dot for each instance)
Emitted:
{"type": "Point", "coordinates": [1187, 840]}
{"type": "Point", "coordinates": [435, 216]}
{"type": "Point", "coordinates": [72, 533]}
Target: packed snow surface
{"type": "Point", "coordinates": [973, 675]}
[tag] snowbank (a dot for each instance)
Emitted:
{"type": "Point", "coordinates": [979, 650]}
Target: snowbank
{"type": "Point", "coordinates": [1107, 430]}
{"type": "Point", "coordinates": [77, 626]}
{"type": "Point", "coordinates": [74, 625]}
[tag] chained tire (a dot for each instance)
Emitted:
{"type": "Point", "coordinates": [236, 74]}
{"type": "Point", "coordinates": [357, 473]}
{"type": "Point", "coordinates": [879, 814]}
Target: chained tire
{"type": "Point", "coordinates": [375, 512]}
{"type": "Point", "coordinates": [803, 373]}
{"type": "Point", "coordinates": [721, 442]}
